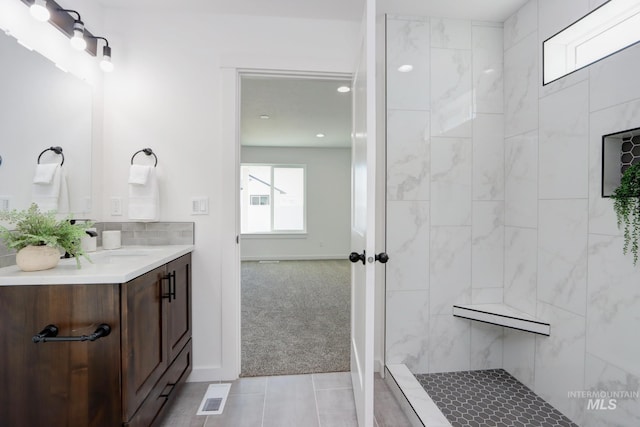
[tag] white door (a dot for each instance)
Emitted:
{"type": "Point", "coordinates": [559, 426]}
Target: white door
{"type": "Point", "coordinates": [363, 224]}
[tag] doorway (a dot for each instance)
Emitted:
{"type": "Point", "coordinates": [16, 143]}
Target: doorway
{"type": "Point", "coordinates": [295, 212]}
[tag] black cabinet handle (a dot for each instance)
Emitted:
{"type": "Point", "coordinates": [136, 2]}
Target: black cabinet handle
{"type": "Point", "coordinates": [355, 257]}
{"type": "Point", "coordinates": [173, 289]}
{"type": "Point", "coordinates": [50, 334]}
{"type": "Point", "coordinates": [171, 277]}
{"type": "Point", "coordinates": [382, 257]}
{"type": "Point", "coordinates": [166, 395]}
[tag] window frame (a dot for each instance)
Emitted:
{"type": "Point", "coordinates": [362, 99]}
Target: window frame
{"type": "Point", "coordinates": [279, 233]}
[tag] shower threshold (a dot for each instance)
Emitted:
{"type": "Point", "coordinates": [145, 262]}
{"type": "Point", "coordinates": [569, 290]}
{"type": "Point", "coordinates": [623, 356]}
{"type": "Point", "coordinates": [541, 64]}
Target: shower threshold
{"type": "Point", "coordinates": [472, 398]}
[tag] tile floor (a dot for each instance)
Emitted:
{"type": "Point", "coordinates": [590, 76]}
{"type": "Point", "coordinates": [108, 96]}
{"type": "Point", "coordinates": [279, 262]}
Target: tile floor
{"type": "Point", "coordinates": [489, 397]}
{"type": "Point", "coordinates": [315, 400]}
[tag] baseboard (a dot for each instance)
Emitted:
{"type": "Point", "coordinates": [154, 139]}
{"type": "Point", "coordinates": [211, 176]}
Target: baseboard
{"type": "Point", "coordinates": [293, 257]}
{"type": "Point", "coordinates": [199, 375]}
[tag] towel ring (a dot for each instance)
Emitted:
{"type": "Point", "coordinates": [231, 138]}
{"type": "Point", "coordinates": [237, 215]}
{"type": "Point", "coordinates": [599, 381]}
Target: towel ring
{"type": "Point", "coordinates": [57, 150]}
{"type": "Point", "coordinates": [148, 152]}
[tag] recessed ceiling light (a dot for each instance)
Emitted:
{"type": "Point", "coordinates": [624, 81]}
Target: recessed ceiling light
{"type": "Point", "coordinates": [489, 70]}
{"type": "Point", "coordinates": [405, 68]}
{"type": "Point", "coordinates": [264, 116]}
{"type": "Point", "coordinates": [344, 89]}
{"type": "Point", "coordinates": [320, 135]}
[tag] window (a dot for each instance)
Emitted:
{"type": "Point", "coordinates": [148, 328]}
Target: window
{"type": "Point", "coordinates": [272, 198]}
{"type": "Point", "coordinates": [612, 27]}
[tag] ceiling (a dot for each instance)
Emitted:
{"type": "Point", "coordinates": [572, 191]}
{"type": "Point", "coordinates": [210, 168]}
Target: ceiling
{"type": "Point", "coordinates": [297, 108]}
{"type": "Point", "coordinates": [350, 10]}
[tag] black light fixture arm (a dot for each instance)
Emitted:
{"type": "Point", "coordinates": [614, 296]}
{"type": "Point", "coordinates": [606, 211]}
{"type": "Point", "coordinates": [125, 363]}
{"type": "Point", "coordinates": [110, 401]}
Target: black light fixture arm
{"type": "Point", "coordinates": [71, 11]}
{"type": "Point", "coordinates": [62, 19]}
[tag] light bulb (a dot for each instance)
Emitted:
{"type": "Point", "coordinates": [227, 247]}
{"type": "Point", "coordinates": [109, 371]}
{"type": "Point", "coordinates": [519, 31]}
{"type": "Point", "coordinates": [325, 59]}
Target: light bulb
{"type": "Point", "coordinates": [105, 64]}
{"type": "Point", "coordinates": [77, 41]}
{"type": "Point", "coordinates": [39, 10]}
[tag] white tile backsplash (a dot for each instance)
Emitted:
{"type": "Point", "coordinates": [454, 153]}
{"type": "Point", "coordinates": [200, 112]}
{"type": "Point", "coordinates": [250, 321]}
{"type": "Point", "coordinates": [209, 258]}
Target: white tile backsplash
{"type": "Point", "coordinates": [407, 326]}
{"type": "Point", "coordinates": [521, 83]}
{"type": "Point", "coordinates": [408, 43]}
{"type": "Point", "coordinates": [487, 251]}
{"type": "Point", "coordinates": [563, 143]}
{"type": "Point", "coordinates": [450, 271]}
{"type": "Point", "coordinates": [450, 33]}
{"type": "Point", "coordinates": [451, 93]}
{"type": "Point", "coordinates": [451, 163]}
{"type": "Point", "coordinates": [521, 24]}
{"type": "Point", "coordinates": [562, 254]}
{"type": "Point", "coordinates": [488, 157]}
{"type": "Point", "coordinates": [488, 65]}
{"type": "Point", "coordinates": [613, 298]}
{"type": "Point", "coordinates": [408, 155]}
{"type": "Point", "coordinates": [521, 180]}
{"type": "Point", "coordinates": [560, 359]}
{"type": "Point", "coordinates": [408, 245]}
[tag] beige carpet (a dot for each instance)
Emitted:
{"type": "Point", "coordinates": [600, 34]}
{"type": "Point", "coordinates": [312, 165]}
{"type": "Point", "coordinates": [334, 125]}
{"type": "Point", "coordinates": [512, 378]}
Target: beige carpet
{"type": "Point", "coordinates": [295, 317]}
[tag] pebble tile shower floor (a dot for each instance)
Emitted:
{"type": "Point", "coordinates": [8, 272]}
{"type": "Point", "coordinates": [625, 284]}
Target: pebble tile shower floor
{"type": "Point", "coordinates": [489, 398]}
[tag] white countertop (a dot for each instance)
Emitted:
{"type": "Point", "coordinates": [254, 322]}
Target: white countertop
{"type": "Point", "coordinates": [108, 266]}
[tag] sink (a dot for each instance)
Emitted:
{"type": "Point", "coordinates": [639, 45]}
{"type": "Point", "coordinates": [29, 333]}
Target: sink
{"type": "Point", "coordinates": [121, 255]}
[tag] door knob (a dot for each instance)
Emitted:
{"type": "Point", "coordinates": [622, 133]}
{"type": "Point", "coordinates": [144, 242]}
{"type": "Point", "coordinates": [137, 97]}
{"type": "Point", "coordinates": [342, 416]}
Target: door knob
{"type": "Point", "coordinates": [355, 257]}
{"type": "Point", "coordinates": [382, 257]}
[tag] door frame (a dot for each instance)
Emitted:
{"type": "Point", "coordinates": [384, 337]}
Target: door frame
{"type": "Point", "coordinates": [230, 216]}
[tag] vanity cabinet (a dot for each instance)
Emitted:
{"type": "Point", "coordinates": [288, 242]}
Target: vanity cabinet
{"type": "Point", "coordinates": [123, 379]}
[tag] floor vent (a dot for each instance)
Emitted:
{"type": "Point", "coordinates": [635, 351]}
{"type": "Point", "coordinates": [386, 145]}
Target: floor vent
{"type": "Point", "coordinates": [214, 399]}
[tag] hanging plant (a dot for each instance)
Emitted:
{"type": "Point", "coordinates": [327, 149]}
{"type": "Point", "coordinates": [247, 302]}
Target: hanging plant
{"type": "Point", "coordinates": [626, 204]}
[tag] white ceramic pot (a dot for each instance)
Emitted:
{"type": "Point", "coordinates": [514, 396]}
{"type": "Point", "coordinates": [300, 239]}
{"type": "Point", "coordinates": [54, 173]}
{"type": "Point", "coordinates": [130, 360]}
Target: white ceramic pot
{"type": "Point", "coordinates": [36, 258]}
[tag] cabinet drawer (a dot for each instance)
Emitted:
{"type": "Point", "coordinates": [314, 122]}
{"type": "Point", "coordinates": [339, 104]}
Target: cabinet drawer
{"type": "Point", "coordinates": [164, 391]}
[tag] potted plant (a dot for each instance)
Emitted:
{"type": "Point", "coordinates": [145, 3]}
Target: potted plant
{"type": "Point", "coordinates": [626, 203]}
{"type": "Point", "coordinates": [38, 238]}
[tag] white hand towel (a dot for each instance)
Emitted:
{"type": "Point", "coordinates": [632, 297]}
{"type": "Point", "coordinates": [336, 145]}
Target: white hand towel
{"type": "Point", "coordinates": [144, 200]}
{"type": "Point", "coordinates": [63, 199]}
{"type": "Point", "coordinates": [139, 174]}
{"type": "Point", "coordinates": [45, 172]}
{"type": "Point", "coordinates": [46, 195]}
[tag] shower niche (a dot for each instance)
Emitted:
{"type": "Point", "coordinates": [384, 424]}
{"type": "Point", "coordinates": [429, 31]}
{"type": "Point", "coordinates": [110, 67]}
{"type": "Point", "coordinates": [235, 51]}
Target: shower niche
{"type": "Point", "coordinates": [619, 151]}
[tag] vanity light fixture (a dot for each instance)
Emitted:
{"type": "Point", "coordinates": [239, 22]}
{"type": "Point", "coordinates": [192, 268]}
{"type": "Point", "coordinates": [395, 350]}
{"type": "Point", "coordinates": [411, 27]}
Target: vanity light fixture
{"type": "Point", "coordinates": [105, 63]}
{"type": "Point", "coordinates": [40, 11]}
{"type": "Point", "coordinates": [70, 23]}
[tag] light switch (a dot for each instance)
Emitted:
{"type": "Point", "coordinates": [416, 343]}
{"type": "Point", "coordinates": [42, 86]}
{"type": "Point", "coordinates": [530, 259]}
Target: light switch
{"type": "Point", "coordinates": [200, 206]}
{"type": "Point", "coordinates": [116, 206]}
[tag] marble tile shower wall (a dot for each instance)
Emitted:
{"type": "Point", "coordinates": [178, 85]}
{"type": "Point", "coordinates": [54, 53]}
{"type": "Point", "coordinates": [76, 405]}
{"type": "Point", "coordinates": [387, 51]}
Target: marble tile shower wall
{"type": "Point", "coordinates": [563, 251]}
{"type": "Point", "coordinates": [133, 233]}
{"type": "Point", "coordinates": [445, 191]}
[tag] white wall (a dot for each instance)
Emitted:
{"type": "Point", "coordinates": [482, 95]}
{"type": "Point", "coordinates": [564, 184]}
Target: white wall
{"type": "Point", "coordinates": [445, 191]}
{"type": "Point", "coordinates": [167, 93]}
{"type": "Point", "coordinates": [564, 260]}
{"type": "Point", "coordinates": [328, 187]}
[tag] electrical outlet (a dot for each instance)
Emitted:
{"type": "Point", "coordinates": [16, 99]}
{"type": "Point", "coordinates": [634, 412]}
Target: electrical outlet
{"type": "Point", "coordinates": [200, 206]}
{"type": "Point", "coordinates": [116, 206]}
{"type": "Point", "coordinates": [5, 203]}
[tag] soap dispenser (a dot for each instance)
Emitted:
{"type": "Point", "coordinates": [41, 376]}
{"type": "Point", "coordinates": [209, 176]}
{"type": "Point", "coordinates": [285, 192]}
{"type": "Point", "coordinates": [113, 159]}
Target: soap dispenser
{"type": "Point", "coordinates": [89, 242]}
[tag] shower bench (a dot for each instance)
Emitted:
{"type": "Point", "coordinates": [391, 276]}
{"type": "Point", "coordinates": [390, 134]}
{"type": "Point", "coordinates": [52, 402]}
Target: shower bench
{"type": "Point", "coordinates": [502, 315]}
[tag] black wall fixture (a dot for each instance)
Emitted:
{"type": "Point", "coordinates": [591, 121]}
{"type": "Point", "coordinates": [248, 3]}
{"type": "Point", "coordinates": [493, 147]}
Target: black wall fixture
{"type": "Point", "coordinates": [63, 21]}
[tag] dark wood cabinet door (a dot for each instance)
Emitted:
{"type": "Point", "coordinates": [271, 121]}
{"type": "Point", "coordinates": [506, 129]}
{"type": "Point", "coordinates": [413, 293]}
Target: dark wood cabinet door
{"type": "Point", "coordinates": [179, 307]}
{"type": "Point", "coordinates": [70, 384]}
{"type": "Point", "coordinates": [144, 356]}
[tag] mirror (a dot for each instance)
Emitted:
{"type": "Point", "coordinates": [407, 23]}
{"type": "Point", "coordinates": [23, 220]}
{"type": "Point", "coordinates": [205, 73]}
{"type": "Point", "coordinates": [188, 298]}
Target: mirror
{"type": "Point", "coordinates": [42, 106]}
